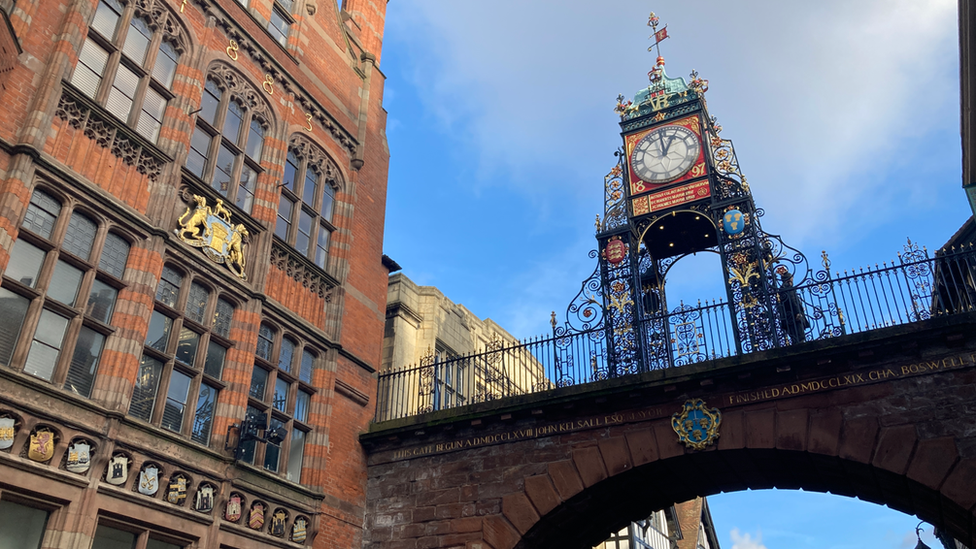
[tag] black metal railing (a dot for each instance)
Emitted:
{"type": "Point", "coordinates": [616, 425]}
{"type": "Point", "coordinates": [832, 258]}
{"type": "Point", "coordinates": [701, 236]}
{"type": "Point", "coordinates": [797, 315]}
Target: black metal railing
{"type": "Point", "coordinates": [914, 288]}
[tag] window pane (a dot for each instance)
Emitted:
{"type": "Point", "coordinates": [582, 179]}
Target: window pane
{"type": "Point", "coordinates": [25, 261]}
{"type": "Point", "coordinates": [280, 400]}
{"type": "Point", "coordinates": [311, 180]}
{"type": "Point", "coordinates": [259, 380]}
{"type": "Point", "coordinates": [203, 418]}
{"type": "Point", "coordinates": [278, 26]}
{"type": "Point", "coordinates": [296, 455]}
{"type": "Point", "coordinates": [265, 342]}
{"type": "Point", "coordinates": [80, 236]}
{"type": "Point", "coordinates": [222, 317]}
{"type": "Point", "coordinates": [285, 206]}
{"type": "Point", "coordinates": [255, 141]}
{"type": "Point", "coordinates": [214, 365]}
{"type": "Point", "coordinates": [159, 328]}
{"type": "Point", "coordinates": [232, 122]}
{"type": "Point", "coordinates": [304, 231]}
{"type": "Point", "coordinates": [84, 362]}
{"type": "Point", "coordinates": [196, 303]}
{"type": "Point", "coordinates": [151, 119]}
{"type": "Point", "coordinates": [137, 40]}
{"type": "Point", "coordinates": [179, 386]}
{"type": "Point", "coordinates": [186, 348]}
{"type": "Point", "coordinates": [165, 68]}
{"type": "Point", "coordinates": [115, 253]}
{"type": "Point", "coordinates": [42, 212]}
{"type": "Point", "coordinates": [210, 102]}
{"type": "Point", "coordinates": [245, 192]}
{"type": "Point", "coordinates": [106, 17]}
{"type": "Point", "coordinates": [156, 544]}
{"type": "Point", "coordinates": [286, 355]}
{"type": "Point", "coordinates": [64, 283]}
{"type": "Point", "coordinates": [21, 527]}
{"type": "Point", "coordinates": [271, 451]}
{"type": "Point", "coordinates": [308, 360]}
{"type": "Point", "coordinates": [46, 347]}
{"type": "Point", "coordinates": [322, 246]}
{"type": "Point", "coordinates": [328, 199]}
{"type": "Point", "coordinates": [225, 164]}
{"type": "Point", "coordinates": [291, 171]}
{"type": "Point", "coordinates": [144, 393]}
{"type": "Point", "coordinates": [196, 161]}
{"type": "Point", "coordinates": [12, 311]}
{"type": "Point", "coordinates": [110, 538]}
{"type": "Point", "coordinates": [101, 301]}
{"type": "Point", "coordinates": [90, 67]}
{"type": "Point", "coordinates": [169, 286]}
{"type": "Point", "coordinates": [301, 406]}
{"type": "Point", "coordinates": [123, 90]}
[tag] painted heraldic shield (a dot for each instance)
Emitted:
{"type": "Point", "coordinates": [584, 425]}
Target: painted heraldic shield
{"type": "Point", "coordinates": [177, 490]}
{"type": "Point", "coordinates": [256, 518]}
{"type": "Point", "coordinates": [697, 425]}
{"type": "Point", "coordinates": [298, 530]}
{"type": "Point", "coordinates": [233, 513]}
{"type": "Point", "coordinates": [41, 446]}
{"type": "Point", "coordinates": [278, 524]}
{"type": "Point", "coordinates": [6, 432]}
{"type": "Point", "coordinates": [204, 500]}
{"type": "Point", "coordinates": [149, 481]}
{"type": "Point", "coordinates": [118, 470]}
{"type": "Point", "coordinates": [79, 457]}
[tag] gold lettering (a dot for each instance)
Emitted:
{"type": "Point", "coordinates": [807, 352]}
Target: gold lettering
{"type": "Point", "coordinates": [308, 120]}
{"type": "Point", "coordinates": [268, 84]}
{"type": "Point", "coordinates": [232, 50]}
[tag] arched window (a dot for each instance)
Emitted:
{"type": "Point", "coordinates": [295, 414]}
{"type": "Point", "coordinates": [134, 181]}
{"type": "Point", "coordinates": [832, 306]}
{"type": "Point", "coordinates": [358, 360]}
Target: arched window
{"type": "Point", "coordinates": [128, 62]}
{"type": "Point", "coordinates": [226, 147]}
{"type": "Point", "coordinates": [71, 264]}
{"type": "Point", "coordinates": [307, 201]}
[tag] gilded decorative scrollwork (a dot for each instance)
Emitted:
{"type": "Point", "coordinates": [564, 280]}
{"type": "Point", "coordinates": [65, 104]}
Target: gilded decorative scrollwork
{"type": "Point", "coordinates": [697, 425]}
{"type": "Point", "coordinates": [212, 230]}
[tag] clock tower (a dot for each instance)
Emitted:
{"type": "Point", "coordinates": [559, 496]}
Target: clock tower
{"type": "Point", "coordinates": [677, 190]}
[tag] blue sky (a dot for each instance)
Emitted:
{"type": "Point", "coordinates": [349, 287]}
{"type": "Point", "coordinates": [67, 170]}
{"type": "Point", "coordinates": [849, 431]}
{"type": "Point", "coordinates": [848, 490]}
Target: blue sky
{"type": "Point", "coordinates": [501, 127]}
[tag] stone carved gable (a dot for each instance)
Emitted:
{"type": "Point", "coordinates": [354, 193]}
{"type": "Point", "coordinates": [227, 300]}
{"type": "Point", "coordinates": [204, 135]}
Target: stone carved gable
{"type": "Point", "coordinates": [242, 91]}
{"type": "Point", "coordinates": [318, 160]}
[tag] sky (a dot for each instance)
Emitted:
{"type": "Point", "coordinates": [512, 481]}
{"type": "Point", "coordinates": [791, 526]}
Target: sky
{"type": "Point", "coordinates": [844, 116]}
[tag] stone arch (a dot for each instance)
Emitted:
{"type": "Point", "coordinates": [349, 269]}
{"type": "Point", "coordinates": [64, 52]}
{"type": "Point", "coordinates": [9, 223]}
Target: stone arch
{"type": "Point", "coordinates": [162, 17]}
{"type": "Point", "coordinates": [319, 161]}
{"type": "Point", "coordinates": [241, 89]}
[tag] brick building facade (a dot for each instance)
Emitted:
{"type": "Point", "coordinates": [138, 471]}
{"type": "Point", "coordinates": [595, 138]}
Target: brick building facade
{"type": "Point", "coordinates": [192, 196]}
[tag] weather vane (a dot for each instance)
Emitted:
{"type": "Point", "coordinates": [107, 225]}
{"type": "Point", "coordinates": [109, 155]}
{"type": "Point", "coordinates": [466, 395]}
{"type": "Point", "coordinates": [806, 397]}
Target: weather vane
{"type": "Point", "coordinates": [659, 36]}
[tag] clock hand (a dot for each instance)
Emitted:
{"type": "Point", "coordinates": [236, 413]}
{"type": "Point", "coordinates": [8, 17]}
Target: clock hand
{"type": "Point", "coordinates": [668, 146]}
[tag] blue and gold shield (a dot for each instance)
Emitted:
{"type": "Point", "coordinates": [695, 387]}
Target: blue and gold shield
{"type": "Point", "coordinates": [696, 425]}
{"type": "Point", "coordinates": [733, 222]}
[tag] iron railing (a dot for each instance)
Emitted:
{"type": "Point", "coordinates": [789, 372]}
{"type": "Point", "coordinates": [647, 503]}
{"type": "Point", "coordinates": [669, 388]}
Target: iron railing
{"type": "Point", "coordinates": [914, 288]}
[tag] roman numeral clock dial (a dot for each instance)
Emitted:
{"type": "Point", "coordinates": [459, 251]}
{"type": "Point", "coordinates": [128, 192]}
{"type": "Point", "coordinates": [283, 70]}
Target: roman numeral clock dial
{"type": "Point", "coordinates": [665, 154]}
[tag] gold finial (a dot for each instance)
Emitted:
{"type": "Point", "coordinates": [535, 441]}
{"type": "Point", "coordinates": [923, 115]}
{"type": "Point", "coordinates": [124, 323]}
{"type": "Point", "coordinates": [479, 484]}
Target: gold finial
{"type": "Point", "coordinates": [597, 222]}
{"type": "Point", "coordinates": [825, 260]}
{"type": "Point", "coordinates": [552, 320]}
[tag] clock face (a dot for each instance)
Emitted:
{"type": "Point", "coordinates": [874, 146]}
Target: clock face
{"type": "Point", "coordinates": [665, 154]}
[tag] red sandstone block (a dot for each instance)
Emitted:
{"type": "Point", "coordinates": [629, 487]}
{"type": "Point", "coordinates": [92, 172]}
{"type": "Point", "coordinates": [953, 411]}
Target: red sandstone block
{"type": "Point", "coordinates": [791, 430]}
{"type": "Point", "coordinates": [825, 428]}
{"type": "Point", "coordinates": [519, 511]}
{"type": "Point", "coordinates": [643, 446]}
{"type": "Point", "coordinates": [499, 533]}
{"type": "Point", "coordinates": [542, 493]}
{"type": "Point", "coordinates": [616, 455]}
{"type": "Point", "coordinates": [590, 465]}
{"type": "Point", "coordinates": [895, 448]}
{"type": "Point", "coordinates": [857, 439]}
{"type": "Point", "coordinates": [565, 479]}
{"type": "Point", "coordinates": [668, 443]}
{"type": "Point", "coordinates": [932, 460]}
{"type": "Point", "coordinates": [959, 485]}
{"type": "Point", "coordinates": [760, 428]}
{"type": "Point", "coordinates": [467, 525]}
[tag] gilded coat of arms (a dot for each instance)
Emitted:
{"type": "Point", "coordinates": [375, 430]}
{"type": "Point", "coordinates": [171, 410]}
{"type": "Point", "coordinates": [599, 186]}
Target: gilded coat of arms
{"type": "Point", "coordinates": [233, 513]}
{"type": "Point", "coordinates": [79, 457]}
{"type": "Point", "coordinates": [41, 447]}
{"type": "Point", "coordinates": [176, 493]}
{"type": "Point", "coordinates": [149, 480]}
{"type": "Point", "coordinates": [203, 502]}
{"type": "Point", "coordinates": [118, 470]}
{"type": "Point", "coordinates": [696, 425]}
{"type": "Point", "coordinates": [7, 432]}
{"type": "Point", "coordinates": [298, 533]}
{"type": "Point", "coordinates": [278, 523]}
{"type": "Point", "coordinates": [256, 519]}
{"type": "Point", "coordinates": [211, 229]}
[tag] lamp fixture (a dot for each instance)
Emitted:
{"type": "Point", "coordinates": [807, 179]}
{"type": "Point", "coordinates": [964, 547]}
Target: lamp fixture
{"type": "Point", "coordinates": [248, 430]}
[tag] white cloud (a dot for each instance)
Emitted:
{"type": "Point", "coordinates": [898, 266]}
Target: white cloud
{"type": "Point", "coordinates": [745, 541]}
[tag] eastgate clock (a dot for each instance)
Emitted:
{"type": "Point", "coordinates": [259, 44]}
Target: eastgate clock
{"type": "Point", "coordinates": [665, 154]}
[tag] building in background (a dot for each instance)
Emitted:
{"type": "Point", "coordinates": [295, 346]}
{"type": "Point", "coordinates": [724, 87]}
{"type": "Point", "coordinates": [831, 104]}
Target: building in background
{"type": "Point", "coordinates": [685, 525]}
{"type": "Point", "coordinates": [192, 196]}
{"type": "Point", "coordinates": [424, 329]}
